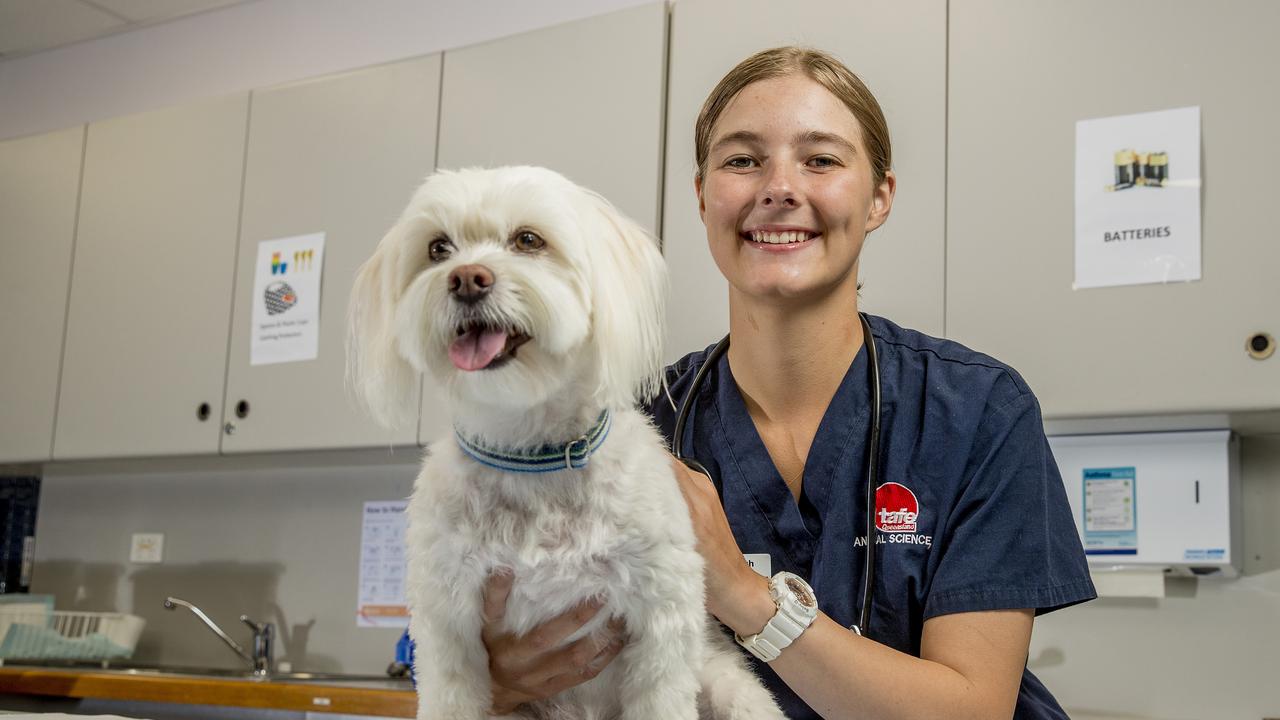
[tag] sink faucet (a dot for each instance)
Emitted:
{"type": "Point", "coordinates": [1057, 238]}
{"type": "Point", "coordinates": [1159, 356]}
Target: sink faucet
{"type": "Point", "coordinates": [260, 660]}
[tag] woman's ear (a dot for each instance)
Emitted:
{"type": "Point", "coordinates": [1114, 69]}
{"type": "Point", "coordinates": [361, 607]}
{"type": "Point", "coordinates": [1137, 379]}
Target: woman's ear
{"type": "Point", "coordinates": [629, 288]}
{"type": "Point", "coordinates": [697, 190]}
{"type": "Point", "coordinates": [882, 201]}
{"type": "Point", "coordinates": [382, 382]}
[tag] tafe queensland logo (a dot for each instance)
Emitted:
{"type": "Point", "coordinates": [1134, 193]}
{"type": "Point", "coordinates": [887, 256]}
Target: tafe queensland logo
{"type": "Point", "coordinates": [896, 508]}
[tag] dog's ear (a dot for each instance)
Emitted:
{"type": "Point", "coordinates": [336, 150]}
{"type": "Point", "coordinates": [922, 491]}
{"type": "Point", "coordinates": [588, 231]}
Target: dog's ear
{"type": "Point", "coordinates": [381, 380]}
{"type": "Point", "coordinates": [629, 279]}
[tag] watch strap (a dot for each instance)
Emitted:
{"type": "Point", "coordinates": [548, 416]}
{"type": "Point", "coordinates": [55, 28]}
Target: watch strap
{"type": "Point", "coordinates": [787, 624]}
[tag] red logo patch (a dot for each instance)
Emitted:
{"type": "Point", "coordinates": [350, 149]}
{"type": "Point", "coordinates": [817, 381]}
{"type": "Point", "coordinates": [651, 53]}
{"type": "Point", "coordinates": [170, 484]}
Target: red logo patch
{"type": "Point", "coordinates": [896, 508]}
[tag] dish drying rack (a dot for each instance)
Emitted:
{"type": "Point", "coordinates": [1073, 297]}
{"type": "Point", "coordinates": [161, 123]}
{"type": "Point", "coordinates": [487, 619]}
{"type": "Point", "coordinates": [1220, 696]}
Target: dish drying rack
{"type": "Point", "coordinates": [68, 635]}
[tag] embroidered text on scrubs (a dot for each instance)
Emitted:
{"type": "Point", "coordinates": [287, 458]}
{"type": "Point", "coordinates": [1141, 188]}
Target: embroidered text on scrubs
{"type": "Point", "coordinates": [901, 516]}
{"type": "Point", "coordinates": [896, 539]}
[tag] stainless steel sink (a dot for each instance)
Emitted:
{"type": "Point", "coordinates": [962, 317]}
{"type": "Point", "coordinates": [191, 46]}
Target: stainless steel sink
{"type": "Point", "coordinates": [126, 668]}
{"type": "Point", "coordinates": [181, 671]}
{"type": "Point", "coordinates": [249, 675]}
{"type": "Point", "coordinates": [336, 677]}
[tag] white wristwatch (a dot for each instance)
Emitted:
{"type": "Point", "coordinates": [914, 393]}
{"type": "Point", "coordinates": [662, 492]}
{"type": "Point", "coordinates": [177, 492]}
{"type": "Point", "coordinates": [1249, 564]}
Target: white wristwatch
{"type": "Point", "coordinates": [797, 607]}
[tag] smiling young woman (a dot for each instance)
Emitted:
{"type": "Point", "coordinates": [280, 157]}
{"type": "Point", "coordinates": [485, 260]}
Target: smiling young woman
{"type": "Point", "coordinates": [974, 533]}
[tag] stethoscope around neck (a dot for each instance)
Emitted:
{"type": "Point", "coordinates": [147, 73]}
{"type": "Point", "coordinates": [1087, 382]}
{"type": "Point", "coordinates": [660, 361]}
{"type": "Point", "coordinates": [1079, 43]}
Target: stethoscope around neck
{"type": "Point", "coordinates": [873, 456]}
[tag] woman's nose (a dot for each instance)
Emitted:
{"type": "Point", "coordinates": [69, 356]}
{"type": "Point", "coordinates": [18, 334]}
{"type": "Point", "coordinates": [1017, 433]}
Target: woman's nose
{"type": "Point", "coordinates": [778, 190]}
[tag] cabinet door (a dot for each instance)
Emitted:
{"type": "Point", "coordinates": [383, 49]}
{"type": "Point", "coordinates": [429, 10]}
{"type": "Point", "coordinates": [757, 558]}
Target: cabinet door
{"type": "Point", "coordinates": [340, 155]}
{"type": "Point", "coordinates": [583, 98]}
{"type": "Point", "coordinates": [1022, 75]}
{"type": "Point", "coordinates": [146, 343]}
{"type": "Point", "coordinates": [39, 185]}
{"type": "Point", "coordinates": [899, 51]}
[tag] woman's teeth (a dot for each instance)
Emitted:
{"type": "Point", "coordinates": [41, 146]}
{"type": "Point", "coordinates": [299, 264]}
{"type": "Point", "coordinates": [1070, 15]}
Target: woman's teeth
{"type": "Point", "coordinates": [780, 238]}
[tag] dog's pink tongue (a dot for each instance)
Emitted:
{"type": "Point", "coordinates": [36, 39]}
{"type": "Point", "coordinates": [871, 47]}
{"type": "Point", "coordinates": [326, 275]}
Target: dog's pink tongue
{"type": "Point", "coordinates": [476, 348]}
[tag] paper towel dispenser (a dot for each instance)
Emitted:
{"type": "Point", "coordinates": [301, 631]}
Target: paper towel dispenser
{"type": "Point", "coordinates": [1167, 500]}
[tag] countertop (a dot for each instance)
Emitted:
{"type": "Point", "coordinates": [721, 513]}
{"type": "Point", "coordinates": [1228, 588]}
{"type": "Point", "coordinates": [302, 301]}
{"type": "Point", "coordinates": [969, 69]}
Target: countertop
{"type": "Point", "coordinates": [389, 698]}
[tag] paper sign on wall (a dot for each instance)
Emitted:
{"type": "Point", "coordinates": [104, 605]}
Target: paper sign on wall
{"type": "Point", "coordinates": [286, 300]}
{"type": "Point", "coordinates": [1138, 199]}
{"type": "Point", "coordinates": [381, 600]}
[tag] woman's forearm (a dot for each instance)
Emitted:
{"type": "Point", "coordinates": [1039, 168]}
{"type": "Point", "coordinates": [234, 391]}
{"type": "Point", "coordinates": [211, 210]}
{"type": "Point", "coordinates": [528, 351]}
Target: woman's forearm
{"type": "Point", "coordinates": [844, 676]}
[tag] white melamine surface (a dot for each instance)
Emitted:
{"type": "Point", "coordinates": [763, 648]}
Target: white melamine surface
{"type": "Point", "coordinates": [39, 187]}
{"type": "Point", "coordinates": [151, 287]}
{"type": "Point", "coordinates": [1021, 76]}
{"type": "Point", "coordinates": [340, 155]}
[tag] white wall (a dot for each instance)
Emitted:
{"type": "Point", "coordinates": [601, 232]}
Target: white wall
{"type": "Point", "coordinates": [249, 46]}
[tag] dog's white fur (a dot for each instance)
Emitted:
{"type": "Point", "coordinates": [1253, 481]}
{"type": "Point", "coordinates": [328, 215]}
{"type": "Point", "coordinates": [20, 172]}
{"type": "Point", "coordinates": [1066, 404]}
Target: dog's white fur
{"type": "Point", "coordinates": [618, 530]}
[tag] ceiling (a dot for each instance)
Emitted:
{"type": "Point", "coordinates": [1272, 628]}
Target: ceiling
{"type": "Point", "coordinates": [31, 26]}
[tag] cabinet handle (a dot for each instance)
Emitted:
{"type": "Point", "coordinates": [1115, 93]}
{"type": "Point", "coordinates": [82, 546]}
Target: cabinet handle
{"type": "Point", "coordinates": [203, 412]}
{"type": "Point", "coordinates": [229, 428]}
{"type": "Point", "coordinates": [242, 409]}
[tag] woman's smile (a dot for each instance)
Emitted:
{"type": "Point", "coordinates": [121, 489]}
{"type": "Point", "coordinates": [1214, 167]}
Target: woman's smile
{"type": "Point", "coordinates": [771, 238]}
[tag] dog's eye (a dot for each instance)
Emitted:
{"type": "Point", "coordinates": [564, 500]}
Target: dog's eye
{"type": "Point", "coordinates": [439, 249]}
{"type": "Point", "coordinates": [528, 241]}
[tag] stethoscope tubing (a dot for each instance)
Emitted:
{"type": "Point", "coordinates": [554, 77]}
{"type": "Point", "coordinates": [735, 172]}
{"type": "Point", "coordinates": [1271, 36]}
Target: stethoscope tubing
{"type": "Point", "coordinates": [873, 456]}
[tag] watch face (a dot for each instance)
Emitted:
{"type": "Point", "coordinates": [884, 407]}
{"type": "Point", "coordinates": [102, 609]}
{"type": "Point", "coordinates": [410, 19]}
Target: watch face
{"type": "Point", "coordinates": [800, 591]}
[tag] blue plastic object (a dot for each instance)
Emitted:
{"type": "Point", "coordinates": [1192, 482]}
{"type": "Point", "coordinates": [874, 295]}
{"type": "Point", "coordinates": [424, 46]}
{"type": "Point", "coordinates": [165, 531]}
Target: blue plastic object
{"type": "Point", "coordinates": [404, 655]}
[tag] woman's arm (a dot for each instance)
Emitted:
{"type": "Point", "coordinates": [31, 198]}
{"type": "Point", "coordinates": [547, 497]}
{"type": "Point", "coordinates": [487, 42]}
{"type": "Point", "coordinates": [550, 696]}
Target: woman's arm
{"type": "Point", "coordinates": [970, 665]}
{"type": "Point", "coordinates": [536, 666]}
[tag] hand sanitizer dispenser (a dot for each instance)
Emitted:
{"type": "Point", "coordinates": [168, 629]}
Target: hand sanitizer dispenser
{"type": "Point", "coordinates": [1159, 501]}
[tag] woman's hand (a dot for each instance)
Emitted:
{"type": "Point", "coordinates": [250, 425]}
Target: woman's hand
{"type": "Point", "coordinates": [535, 666]}
{"type": "Point", "coordinates": [736, 594]}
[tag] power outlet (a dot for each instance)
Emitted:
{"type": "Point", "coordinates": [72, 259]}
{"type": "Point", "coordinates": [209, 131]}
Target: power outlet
{"type": "Point", "coordinates": [147, 548]}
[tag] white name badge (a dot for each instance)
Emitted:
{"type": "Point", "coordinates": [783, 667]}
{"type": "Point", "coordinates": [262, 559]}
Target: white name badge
{"type": "Point", "coordinates": [760, 563]}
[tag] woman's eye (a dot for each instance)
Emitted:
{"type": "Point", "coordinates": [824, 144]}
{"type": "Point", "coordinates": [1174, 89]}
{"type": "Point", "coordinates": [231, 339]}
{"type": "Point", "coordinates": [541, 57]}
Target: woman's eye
{"type": "Point", "coordinates": [824, 161]}
{"type": "Point", "coordinates": [739, 161]}
{"type": "Point", "coordinates": [439, 249]}
{"type": "Point", "coordinates": [528, 241]}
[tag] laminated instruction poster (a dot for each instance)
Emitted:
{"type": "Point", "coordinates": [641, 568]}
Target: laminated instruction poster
{"type": "Point", "coordinates": [1110, 511]}
{"type": "Point", "coordinates": [381, 600]}
{"type": "Point", "coordinates": [1138, 199]}
{"type": "Point", "coordinates": [286, 300]}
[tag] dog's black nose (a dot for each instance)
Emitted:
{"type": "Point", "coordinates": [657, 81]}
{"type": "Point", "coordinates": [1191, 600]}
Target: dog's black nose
{"type": "Point", "coordinates": [469, 283]}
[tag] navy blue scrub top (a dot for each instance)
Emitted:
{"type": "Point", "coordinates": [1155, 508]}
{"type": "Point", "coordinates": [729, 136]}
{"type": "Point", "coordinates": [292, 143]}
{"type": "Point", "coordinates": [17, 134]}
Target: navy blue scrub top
{"type": "Point", "coordinates": [972, 513]}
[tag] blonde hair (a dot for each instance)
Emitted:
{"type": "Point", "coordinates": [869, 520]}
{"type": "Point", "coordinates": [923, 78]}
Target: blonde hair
{"type": "Point", "coordinates": [816, 65]}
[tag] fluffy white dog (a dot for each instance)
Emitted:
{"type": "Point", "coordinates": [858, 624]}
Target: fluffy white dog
{"type": "Point", "coordinates": [538, 307]}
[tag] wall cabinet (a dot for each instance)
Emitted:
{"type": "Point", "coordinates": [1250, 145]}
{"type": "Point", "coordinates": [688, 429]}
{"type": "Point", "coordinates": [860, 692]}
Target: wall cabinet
{"type": "Point", "coordinates": [899, 51]}
{"type": "Point", "coordinates": [584, 99]}
{"type": "Point", "coordinates": [981, 100]}
{"type": "Point", "coordinates": [339, 155]}
{"type": "Point", "coordinates": [146, 342]}
{"type": "Point", "coordinates": [1021, 76]}
{"type": "Point", "coordinates": [39, 187]}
